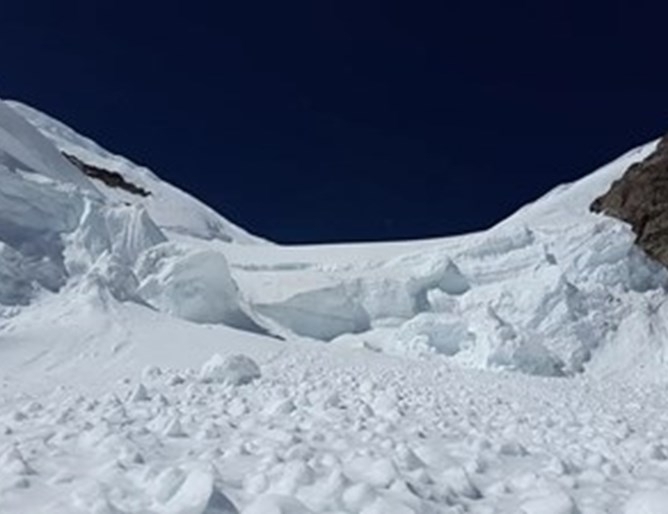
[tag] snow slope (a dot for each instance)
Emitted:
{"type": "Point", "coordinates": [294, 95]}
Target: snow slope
{"type": "Point", "coordinates": [152, 362]}
{"type": "Point", "coordinates": [171, 208]}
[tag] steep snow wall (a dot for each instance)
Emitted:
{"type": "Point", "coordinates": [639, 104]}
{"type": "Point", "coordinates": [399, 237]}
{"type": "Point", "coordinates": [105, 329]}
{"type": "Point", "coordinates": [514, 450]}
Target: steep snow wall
{"type": "Point", "coordinates": [59, 234]}
{"type": "Point", "coordinates": [552, 290]}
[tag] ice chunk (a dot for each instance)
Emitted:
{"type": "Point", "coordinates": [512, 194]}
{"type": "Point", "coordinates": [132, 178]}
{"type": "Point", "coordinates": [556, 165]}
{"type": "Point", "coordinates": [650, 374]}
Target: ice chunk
{"type": "Point", "coordinates": [174, 428]}
{"type": "Point", "coordinates": [194, 285]}
{"type": "Point", "coordinates": [375, 472]}
{"type": "Point", "coordinates": [198, 495]}
{"type": "Point", "coordinates": [233, 370]}
{"type": "Point", "coordinates": [139, 394]}
{"type": "Point", "coordinates": [445, 333]}
{"type": "Point", "coordinates": [401, 289]}
{"type": "Point", "coordinates": [111, 274]}
{"type": "Point", "coordinates": [321, 313]}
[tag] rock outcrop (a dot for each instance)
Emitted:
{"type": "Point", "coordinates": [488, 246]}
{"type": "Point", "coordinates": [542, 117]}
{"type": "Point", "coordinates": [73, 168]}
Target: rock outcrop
{"type": "Point", "coordinates": [110, 178]}
{"type": "Point", "coordinates": [640, 198]}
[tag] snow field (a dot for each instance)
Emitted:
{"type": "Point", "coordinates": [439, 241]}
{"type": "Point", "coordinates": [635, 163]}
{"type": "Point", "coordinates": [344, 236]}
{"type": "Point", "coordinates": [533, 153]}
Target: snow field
{"type": "Point", "coordinates": [311, 435]}
{"type": "Point", "coordinates": [123, 389]}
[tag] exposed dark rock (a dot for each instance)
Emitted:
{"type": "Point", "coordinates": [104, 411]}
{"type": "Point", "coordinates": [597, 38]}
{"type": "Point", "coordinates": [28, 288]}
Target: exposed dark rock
{"type": "Point", "coordinates": [640, 198]}
{"type": "Point", "coordinates": [110, 178]}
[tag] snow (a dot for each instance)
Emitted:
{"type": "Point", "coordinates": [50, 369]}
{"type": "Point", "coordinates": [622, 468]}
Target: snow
{"type": "Point", "coordinates": [193, 285]}
{"type": "Point", "coordinates": [197, 495]}
{"type": "Point", "coordinates": [275, 504]}
{"type": "Point", "coordinates": [233, 370]}
{"type": "Point", "coordinates": [25, 149]}
{"type": "Point", "coordinates": [153, 361]}
{"type": "Point", "coordinates": [172, 209]}
{"type": "Point", "coordinates": [648, 502]}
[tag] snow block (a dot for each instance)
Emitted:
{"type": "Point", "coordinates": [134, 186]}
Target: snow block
{"type": "Point", "coordinates": [192, 284]}
{"type": "Point", "coordinates": [198, 495]}
{"type": "Point", "coordinates": [320, 314]}
{"type": "Point", "coordinates": [233, 370]}
{"type": "Point", "coordinates": [444, 333]}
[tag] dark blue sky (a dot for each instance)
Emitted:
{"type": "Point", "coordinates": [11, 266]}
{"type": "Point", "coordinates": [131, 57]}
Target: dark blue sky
{"type": "Point", "coordinates": [331, 121]}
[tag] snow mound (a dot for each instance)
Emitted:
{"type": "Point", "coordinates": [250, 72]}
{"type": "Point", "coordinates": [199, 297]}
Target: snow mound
{"type": "Point", "coordinates": [198, 495]}
{"type": "Point", "coordinates": [233, 370]}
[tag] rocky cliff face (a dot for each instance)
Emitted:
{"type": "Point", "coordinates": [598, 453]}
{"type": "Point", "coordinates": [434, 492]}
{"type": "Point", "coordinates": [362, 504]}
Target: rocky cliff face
{"type": "Point", "coordinates": [640, 198]}
{"type": "Point", "coordinates": [110, 178]}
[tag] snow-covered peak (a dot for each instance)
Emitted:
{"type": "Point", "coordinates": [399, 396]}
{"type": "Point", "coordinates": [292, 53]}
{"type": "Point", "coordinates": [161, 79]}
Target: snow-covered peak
{"type": "Point", "coordinates": [172, 209]}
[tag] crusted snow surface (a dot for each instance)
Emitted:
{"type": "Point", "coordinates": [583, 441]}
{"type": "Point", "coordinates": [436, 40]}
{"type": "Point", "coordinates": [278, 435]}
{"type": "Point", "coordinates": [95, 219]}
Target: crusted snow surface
{"type": "Point", "coordinates": [320, 430]}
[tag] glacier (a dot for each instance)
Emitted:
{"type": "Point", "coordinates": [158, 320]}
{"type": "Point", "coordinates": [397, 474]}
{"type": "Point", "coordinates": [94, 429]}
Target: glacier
{"type": "Point", "coordinates": [157, 358]}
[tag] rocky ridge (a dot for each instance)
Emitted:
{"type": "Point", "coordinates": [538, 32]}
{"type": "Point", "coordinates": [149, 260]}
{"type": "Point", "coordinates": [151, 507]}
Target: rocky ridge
{"type": "Point", "coordinates": [640, 198]}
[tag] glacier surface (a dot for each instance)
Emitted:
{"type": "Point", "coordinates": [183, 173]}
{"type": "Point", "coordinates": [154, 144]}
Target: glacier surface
{"type": "Point", "coordinates": [156, 358]}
